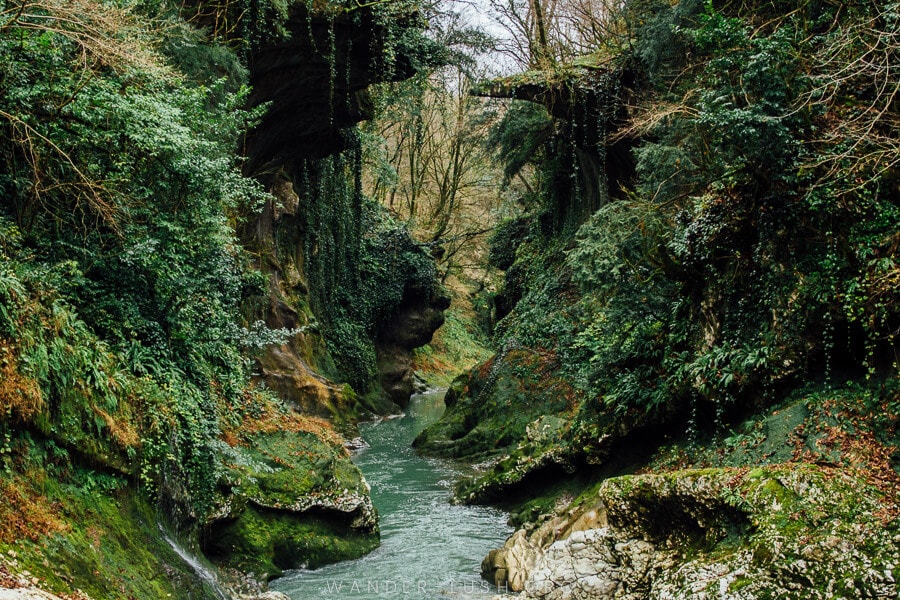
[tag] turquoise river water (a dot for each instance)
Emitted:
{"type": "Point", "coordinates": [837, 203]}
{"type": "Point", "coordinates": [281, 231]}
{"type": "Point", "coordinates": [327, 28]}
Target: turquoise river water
{"type": "Point", "coordinates": [429, 549]}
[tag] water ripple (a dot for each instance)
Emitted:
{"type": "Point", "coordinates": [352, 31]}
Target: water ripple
{"type": "Point", "coordinates": [429, 549]}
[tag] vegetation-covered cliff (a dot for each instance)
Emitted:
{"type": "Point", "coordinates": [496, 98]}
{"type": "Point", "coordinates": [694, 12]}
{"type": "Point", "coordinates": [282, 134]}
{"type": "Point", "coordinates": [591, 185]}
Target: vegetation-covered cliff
{"type": "Point", "coordinates": [209, 274]}
{"type": "Point", "coordinates": [709, 278]}
{"type": "Point", "coordinates": [189, 279]}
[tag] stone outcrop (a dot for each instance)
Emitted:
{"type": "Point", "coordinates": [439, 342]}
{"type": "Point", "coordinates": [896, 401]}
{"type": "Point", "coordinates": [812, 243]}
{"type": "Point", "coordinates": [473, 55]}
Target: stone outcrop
{"type": "Point", "coordinates": [537, 439]}
{"type": "Point", "coordinates": [293, 500]}
{"type": "Point", "coordinates": [293, 370]}
{"type": "Point", "coordinates": [478, 422]}
{"type": "Point", "coordinates": [288, 375]}
{"type": "Point", "coordinates": [315, 80]}
{"type": "Point", "coordinates": [593, 96]}
{"type": "Point", "coordinates": [786, 531]}
{"type": "Point", "coordinates": [411, 326]}
{"type": "Point", "coordinates": [510, 566]}
{"type": "Point", "coordinates": [595, 564]}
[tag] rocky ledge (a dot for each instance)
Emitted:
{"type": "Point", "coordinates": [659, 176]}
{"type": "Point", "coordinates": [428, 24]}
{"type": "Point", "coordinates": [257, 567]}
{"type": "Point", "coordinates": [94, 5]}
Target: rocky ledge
{"type": "Point", "coordinates": [783, 531]}
{"type": "Point", "coordinates": [293, 499]}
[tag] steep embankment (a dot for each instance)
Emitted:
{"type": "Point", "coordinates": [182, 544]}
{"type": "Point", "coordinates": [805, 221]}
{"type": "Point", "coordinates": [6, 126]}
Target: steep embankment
{"type": "Point", "coordinates": [137, 327]}
{"type": "Point", "coordinates": [710, 282]}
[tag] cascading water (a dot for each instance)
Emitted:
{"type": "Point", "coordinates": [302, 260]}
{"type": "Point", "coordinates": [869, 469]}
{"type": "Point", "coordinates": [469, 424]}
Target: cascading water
{"type": "Point", "coordinates": [429, 547]}
{"type": "Point", "coordinates": [211, 582]}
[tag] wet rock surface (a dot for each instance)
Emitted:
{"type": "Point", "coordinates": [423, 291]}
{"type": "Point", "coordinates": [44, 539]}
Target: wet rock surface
{"type": "Point", "coordinates": [294, 500]}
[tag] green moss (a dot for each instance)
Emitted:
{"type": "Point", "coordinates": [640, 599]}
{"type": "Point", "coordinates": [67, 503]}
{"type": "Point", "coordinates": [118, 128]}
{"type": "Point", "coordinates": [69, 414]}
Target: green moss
{"type": "Point", "coordinates": [456, 346]}
{"type": "Point", "coordinates": [279, 467]}
{"type": "Point", "coordinates": [801, 523]}
{"type": "Point", "coordinates": [294, 501]}
{"type": "Point", "coordinates": [542, 501]}
{"type": "Point", "coordinates": [265, 542]}
{"type": "Point", "coordinates": [110, 547]}
{"type": "Point", "coordinates": [492, 412]}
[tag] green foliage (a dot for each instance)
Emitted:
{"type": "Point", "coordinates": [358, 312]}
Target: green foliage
{"type": "Point", "coordinates": [758, 242]}
{"type": "Point", "coordinates": [731, 270]}
{"type": "Point", "coordinates": [618, 246]}
{"type": "Point", "coordinates": [520, 136]}
{"type": "Point", "coordinates": [652, 26]}
{"type": "Point", "coordinates": [122, 277]}
{"type": "Point", "coordinates": [122, 349]}
{"type": "Point", "coordinates": [75, 527]}
{"type": "Point", "coordinates": [361, 264]}
{"type": "Point", "coordinates": [504, 240]}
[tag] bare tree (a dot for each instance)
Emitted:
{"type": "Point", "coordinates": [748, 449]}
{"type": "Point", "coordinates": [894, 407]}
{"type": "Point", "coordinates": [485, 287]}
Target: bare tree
{"type": "Point", "coordinates": [541, 34]}
{"type": "Point", "coordinates": [437, 176]}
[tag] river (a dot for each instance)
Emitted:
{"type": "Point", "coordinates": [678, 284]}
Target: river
{"type": "Point", "coordinates": [429, 548]}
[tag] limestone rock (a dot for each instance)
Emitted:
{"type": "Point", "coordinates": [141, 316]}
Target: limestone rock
{"type": "Point", "coordinates": [294, 500]}
{"type": "Point", "coordinates": [510, 566]}
{"type": "Point", "coordinates": [594, 564]}
{"type": "Point", "coordinates": [307, 392]}
{"type": "Point", "coordinates": [786, 531]}
{"type": "Point", "coordinates": [26, 594]}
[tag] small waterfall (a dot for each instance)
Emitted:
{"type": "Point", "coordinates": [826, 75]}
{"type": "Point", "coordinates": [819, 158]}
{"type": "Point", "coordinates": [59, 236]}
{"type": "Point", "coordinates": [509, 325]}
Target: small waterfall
{"type": "Point", "coordinates": [205, 574]}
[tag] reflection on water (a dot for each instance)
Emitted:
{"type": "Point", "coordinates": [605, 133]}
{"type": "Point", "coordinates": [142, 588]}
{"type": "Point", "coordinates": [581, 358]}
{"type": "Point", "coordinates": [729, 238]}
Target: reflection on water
{"type": "Point", "coordinates": [429, 548]}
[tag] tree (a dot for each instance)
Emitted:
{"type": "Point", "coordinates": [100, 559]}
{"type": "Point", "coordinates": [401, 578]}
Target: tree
{"type": "Point", "coordinates": [426, 161]}
{"type": "Point", "coordinates": [543, 34]}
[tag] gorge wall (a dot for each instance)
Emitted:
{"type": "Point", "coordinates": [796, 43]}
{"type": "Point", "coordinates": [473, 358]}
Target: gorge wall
{"type": "Point", "coordinates": [355, 291]}
{"type": "Point", "coordinates": [170, 388]}
{"type": "Point", "coordinates": [313, 235]}
{"type": "Point", "coordinates": [668, 346]}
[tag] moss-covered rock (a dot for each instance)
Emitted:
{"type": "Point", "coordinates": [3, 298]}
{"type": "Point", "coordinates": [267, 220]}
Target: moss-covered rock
{"type": "Point", "coordinates": [91, 532]}
{"type": "Point", "coordinates": [490, 408]}
{"type": "Point", "coordinates": [263, 541]}
{"type": "Point", "coordinates": [782, 531]}
{"type": "Point", "coordinates": [291, 498]}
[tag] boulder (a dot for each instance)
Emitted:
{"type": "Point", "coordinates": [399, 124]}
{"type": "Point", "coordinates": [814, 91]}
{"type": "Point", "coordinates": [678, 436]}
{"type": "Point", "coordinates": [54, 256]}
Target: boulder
{"type": "Point", "coordinates": [783, 531]}
{"type": "Point", "coordinates": [595, 564]}
{"type": "Point", "coordinates": [509, 567]}
{"type": "Point", "coordinates": [293, 500]}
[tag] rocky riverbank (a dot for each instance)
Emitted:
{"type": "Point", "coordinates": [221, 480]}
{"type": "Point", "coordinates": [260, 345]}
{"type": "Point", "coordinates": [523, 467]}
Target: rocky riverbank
{"type": "Point", "coordinates": [797, 503]}
{"type": "Point", "coordinates": [792, 531]}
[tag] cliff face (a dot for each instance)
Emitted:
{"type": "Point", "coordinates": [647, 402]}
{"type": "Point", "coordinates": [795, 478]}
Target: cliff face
{"type": "Point", "coordinates": [684, 322]}
{"type": "Point", "coordinates": [315, 81]}
{"type": "Point", "coordinates": [315, 239]}
{"type": "Point", "coordinates": [310, 236]}
{"type": "Point", "coordinates": [411, 326]}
